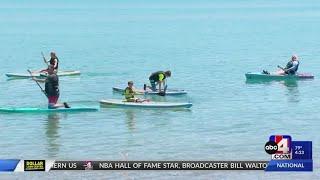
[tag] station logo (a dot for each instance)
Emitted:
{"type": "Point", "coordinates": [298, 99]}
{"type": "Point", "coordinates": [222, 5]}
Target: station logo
{"type": "Point", "coordinates": [288, 155]}
{"type": "Point", "coordinates": [279, 146]}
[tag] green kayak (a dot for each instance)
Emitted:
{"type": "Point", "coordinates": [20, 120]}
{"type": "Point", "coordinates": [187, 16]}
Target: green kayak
{"type": "Point", "coordinates": [46, 110]}
{"type": "Point", "coordinates": [261, 76]}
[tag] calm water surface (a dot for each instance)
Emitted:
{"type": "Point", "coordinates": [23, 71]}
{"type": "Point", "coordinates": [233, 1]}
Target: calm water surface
{"type": "Point", "coordinates": [208, 45]}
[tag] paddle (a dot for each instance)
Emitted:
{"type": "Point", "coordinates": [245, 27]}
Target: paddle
{"type": "Point", "coordinates": [44, 58]}
{"type": "Point", "coordinates": [281, 68]}
{"type": "Point", "coordinates": [44, 92]}
{"type": "Point", "coordinates": [163, 93]}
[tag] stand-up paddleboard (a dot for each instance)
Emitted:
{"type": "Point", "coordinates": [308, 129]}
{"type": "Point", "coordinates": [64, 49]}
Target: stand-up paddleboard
{"type": "Point", "coordinates": [64, 73]}
{"type": "Point", "coordinates": [124, 104]}
{"type": "Point", "coordinates": [261, 76]}
{"type": "Point", "coordinates": [46, 110]}
{"type": "Point", "coordinates": [168, 91]}
{"type": "Point", "coordinates": [38, 75]}
{"type": "Point", "coordinates": [22, 75]}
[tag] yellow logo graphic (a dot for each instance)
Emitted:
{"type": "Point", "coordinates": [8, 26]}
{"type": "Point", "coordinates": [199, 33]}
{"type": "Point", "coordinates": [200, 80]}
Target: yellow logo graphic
{"type": "Point", "coordinates": [34, 165]}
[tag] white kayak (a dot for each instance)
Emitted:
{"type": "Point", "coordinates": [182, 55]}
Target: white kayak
{"type": "Point", "coordinates": [124, 104]}
{"type": "Point", "coordinates": [168, 91]}
{"type": "Point", "coordinates": [38, 75]}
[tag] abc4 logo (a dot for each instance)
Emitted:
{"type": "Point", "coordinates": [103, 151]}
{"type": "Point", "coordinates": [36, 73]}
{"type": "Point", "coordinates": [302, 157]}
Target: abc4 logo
{"type": "Point", "coordinates": [279, 146]}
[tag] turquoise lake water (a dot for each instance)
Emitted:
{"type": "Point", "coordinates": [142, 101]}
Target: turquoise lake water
{"type": "Point", "coordinates": [208, 46]}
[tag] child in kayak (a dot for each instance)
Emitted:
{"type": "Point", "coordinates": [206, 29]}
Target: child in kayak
{"type": "Point", "coordinates": [52, 89]}
{"type": "Point", "coordinates": [129, 93]}
{"type": "Point", "coordinates": [158, 78]}
{"type": "Point", "coordinates": [291, 67]}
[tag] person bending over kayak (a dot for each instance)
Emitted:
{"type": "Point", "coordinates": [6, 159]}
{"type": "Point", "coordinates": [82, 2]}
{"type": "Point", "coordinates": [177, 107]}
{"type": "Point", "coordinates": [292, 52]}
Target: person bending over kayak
{"type": "Point", "coordinates": [52, 89]}
{"type": "Point", "coordinates": [129, 93]}
{"type": "Point", "coordinates": [158, 78]}
{"type": "Point", "coordinates": [291, 67]}
{"type": "Point", "coordinates": [54, 61]}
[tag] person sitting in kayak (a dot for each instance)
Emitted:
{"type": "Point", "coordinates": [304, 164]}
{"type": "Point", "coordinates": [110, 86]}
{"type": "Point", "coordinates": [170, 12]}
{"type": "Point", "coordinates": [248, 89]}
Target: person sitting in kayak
{"type": "Point", "coordinates": [291, 67]}
{"type": "Point", "coordinates": [130, 92]}
{"type": "Point", "coordinates": [54, 61]}
{"type": "Point", "coordinates": [52, 89]}
{"type": "Point", "coordinates": [158, 78]}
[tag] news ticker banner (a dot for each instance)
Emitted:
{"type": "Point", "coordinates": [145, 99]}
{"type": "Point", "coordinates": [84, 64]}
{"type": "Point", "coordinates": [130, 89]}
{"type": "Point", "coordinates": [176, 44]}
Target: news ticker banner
{"type": "Point", "coordinates": [15, 165]}
{"type": "Point", "coordinates": [52, 165]}
{"type": "Point", "coordinates": [286, 155]}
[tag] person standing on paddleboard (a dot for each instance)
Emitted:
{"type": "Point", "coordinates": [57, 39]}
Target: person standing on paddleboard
{"type": "Point", "coordinates": [130, 92]}
{"type": "Point", "coordinates": [52, 89]}
{"type": "Point", "coordinates": [158, 78]}
{"type": "Point", "coordinates": [291, 67]}
{"type": "Point", "coordinates": [54, 61]}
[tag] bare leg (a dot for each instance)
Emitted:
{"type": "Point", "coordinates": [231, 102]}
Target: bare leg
{"type": "Point", "coordinates": [148, 88]}
{"type": "Point", "coordinates": [142, 100]}
{"type": "Point", "coordinates": [280, 72]}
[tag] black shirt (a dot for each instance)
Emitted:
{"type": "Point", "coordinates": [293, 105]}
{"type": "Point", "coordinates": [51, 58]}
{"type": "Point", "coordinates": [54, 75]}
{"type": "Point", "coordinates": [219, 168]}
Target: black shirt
{"type": "Point", "coordinates": [52, 85]}
{"type": "Point", "coordinates": [155, 76]}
